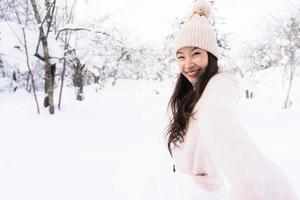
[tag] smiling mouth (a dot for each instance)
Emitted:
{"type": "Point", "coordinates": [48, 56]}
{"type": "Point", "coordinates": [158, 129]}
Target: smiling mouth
{"type": "Point", "coordinates": [193, 73]}
{"type": "Point", "coordinates": [190, 72]}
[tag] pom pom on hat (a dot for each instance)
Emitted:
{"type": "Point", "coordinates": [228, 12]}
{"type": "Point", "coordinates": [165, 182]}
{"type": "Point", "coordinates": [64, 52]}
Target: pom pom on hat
{"type": "Point", "coordinates": [202, 8]}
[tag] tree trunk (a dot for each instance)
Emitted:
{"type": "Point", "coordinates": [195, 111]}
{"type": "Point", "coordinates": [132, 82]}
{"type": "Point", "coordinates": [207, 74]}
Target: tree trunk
{"type": "Point", "coordinates": [49, 79]}
{"type": "Point", "coordinates": [62, 82]}
{"type": "Point", "coordinates": [30, 72]}
{"type": "Point", "coordinates": [78, 81]}
{"type": "Point", "coordinates": [292, 66]}
{"type": "Point", "coordinates": [115, 71]}
{"type": "Point", "coordinates": [288, 102]}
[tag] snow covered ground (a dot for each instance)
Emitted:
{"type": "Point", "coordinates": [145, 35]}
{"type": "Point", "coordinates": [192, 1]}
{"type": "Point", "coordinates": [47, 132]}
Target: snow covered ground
{"type": "Point", "coordinates": [110, 146]}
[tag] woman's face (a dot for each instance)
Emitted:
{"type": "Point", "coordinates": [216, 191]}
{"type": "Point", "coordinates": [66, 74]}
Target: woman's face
{"type": "Point", "coordinates": [192, 62]}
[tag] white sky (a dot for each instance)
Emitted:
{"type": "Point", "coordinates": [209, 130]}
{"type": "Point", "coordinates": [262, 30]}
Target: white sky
{"type": "Point", "coordinates": [151, 19]}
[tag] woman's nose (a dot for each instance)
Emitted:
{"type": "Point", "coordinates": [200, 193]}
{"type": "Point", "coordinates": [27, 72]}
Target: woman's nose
{"type": "Point", "coordinates": [189, 63]}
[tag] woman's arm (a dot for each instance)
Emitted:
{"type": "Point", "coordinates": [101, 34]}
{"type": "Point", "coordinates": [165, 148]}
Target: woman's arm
{"type": "Point", "coordinates": [250, 175]}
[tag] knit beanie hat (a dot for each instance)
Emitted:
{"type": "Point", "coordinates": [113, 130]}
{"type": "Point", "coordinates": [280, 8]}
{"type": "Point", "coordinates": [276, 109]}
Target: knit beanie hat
{"type": "Point", "coordinates": [198, 32]}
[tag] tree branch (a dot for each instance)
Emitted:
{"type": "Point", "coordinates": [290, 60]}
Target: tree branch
{"type": "Point", "coordinates": [84, 29]}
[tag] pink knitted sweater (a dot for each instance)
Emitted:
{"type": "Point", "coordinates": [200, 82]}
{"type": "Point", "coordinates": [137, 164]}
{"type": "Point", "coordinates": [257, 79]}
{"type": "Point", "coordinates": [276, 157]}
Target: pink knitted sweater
{"type": "Point", "coordinates": [217, 148]}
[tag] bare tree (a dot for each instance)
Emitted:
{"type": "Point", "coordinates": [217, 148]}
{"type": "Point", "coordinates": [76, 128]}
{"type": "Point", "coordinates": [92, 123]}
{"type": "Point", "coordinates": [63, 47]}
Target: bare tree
{"type": "Point", "coordinates": [108, 42]}
{"type": "Point", "coordinates": [44, 30]}
{"type": "Point", "coordinates": [123, 53]}
{"type": "Point", "coordinates": [23, 25]}
{"type": "Point", "coordinates": [78, 78]}
{"type": "Point", "coordinates": [291, 33]}
{"type": "Point", "coordinates": [66, 19]}
{"type": "Point", "coordinates": [288, 33]}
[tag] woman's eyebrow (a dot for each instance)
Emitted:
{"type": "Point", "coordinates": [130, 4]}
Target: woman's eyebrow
{"type": "Point", "coordinates": [195, 48]}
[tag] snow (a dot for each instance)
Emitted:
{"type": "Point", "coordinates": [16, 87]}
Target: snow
{"type": "Point", "coordinates": [4, 84]}
{"type": "Point", "coordinates": [12, 45]}
{"type": "Point", "coordinates": [111, 145]}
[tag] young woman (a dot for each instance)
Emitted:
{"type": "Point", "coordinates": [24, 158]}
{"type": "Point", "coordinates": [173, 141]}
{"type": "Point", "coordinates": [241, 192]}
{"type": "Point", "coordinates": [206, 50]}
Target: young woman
{"type": "Point", "coordinates": [214, 156]}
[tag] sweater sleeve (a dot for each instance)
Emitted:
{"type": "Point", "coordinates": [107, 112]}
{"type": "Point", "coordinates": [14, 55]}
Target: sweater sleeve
{"type": "Point", "coordinates": [249, 174]}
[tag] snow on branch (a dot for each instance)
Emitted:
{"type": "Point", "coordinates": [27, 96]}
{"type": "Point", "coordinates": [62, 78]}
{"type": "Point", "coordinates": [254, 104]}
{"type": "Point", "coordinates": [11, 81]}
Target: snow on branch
{"type": "Point", "coordinates": [85, 29]}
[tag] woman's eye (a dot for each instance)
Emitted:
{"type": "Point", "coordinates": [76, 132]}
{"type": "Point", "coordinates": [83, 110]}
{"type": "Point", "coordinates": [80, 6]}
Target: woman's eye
{"type": "Point", "coordinates": [180, 57]}
{"type": "Point", "coordinates": [196, 53]}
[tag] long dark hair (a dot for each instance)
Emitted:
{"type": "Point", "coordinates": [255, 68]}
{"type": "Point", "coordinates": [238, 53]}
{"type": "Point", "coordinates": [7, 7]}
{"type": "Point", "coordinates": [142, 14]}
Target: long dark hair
{"type": "Point", "coordinates": [183, 100]}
